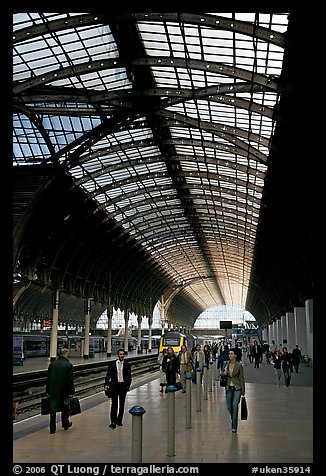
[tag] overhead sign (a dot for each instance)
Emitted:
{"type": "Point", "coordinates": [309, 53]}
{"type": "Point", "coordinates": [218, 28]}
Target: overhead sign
{"type": "Point", "coordinates": [225, 324]}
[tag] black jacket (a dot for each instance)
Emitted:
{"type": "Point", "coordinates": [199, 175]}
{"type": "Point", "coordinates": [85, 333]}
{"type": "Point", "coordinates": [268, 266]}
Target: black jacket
{"type": "Point", "coordinates": [59, 382]}
{"type": "Point", "coordinates": [111, 378]}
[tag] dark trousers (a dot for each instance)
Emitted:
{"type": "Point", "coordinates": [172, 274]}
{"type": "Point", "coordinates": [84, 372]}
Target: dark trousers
{"type": "Point", "coordinates": [296, 365]}
{"type": "Point", "coordinates": [257, 360]}
{"type": "Point", "coordinates": [170, 378]}
{"type": "Point", "coordinates": [64, 419]}
{"type": "Point", "coordinates": [118, 404]}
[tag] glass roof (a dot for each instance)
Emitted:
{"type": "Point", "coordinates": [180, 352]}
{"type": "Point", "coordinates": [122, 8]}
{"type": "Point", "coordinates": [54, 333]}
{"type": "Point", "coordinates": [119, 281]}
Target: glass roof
{"type": "Point", "coordinates": [169, 134]}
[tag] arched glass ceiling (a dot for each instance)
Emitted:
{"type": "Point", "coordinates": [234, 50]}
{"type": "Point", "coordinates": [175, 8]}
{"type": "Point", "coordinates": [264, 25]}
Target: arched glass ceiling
{"type": "Point", "coordinates": [165, 119]}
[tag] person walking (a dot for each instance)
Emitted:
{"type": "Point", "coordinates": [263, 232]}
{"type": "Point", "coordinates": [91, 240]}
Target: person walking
{"type": "Point", "coordinates": [162, 369]}
{"type": "Point", "coordinates": [223, 357]}
{"type": "Point", "coordinates": [296, 357]}
{"type": "Point", "coordinates": [273, 348]}
{"type": "Point", "coordinates": [277, 362]}
{"type": "Point", "coordinates": [238, 352]}
{"type": "Point", "coordinates": [257, 354]}
{"type": "Point", "coordinates": [118, 380]}
{"type": "Point", "coordinates": [235, 387]}
{"type": "Point", "coordinates": [59, 386]}
{"type": "Point", "coordinates": [171, 363]}
{"type": "Point", "coordinates": [287, 365]}
{"type": "Point", "coordinates": [199, 360]}
{"type": "Point", "coordinates": [185, 361]}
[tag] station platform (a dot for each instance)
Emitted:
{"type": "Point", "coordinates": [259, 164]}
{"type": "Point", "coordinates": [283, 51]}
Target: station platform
{"type": "Point", "coordinates": [42, 363]}
{"type": "Point", "coordinates": [279, 428]}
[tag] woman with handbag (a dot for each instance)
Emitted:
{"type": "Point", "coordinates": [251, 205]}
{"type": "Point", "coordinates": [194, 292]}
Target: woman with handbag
{"type": "Point", "coordinates": [171, 364]}
{"type": "Point", "coordinates": [162, 369]}
{"type": "Point", "coordinates": [235, 387]}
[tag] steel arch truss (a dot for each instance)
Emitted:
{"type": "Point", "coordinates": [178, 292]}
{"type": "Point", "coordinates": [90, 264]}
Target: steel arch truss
{"type": "Point", "coordinates": [142, 146]}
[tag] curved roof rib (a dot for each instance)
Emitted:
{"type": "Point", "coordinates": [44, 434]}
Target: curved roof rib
{"type": "Point", "coordinates": [142, 144]}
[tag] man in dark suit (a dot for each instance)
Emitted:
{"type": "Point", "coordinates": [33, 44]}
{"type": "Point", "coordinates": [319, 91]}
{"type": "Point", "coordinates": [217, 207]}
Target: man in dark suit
{"type": "Point", "coordinates": [118, 379]}
{"type": "Point", "coordinates": [59, 386]}
{"type": "Point", "coordinates": [257, 354]}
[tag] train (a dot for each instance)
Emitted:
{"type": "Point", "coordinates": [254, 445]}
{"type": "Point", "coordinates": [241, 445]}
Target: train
{"type": "Point", "coordinates": [155, 341]}
{"type": "Point", "coordinates": [176, 340]}
{"type": "Point", "coordinates": [118, 342]}
{"type": "Point", "coordinates": [27, 345]}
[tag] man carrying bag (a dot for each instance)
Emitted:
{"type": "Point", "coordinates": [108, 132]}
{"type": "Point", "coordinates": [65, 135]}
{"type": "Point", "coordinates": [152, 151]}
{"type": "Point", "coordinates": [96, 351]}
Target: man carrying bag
{"type": "Point", "coordinates": [59, 386]}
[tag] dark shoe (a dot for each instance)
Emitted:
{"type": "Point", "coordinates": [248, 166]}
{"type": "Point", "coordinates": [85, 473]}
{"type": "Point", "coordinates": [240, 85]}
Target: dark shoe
{"type": "Point", "coordinates": [52, 432]}
{"type": "Point", "coordinates": [234, 430]}
{"type": "Point", "coordinates": [119, 423]}
{"type": "Point", "coordinates": [113, 426]}
{"type": "Point", "coordinates": [67, 427]}
{"type": "Point", "coordinates": [183, 391]}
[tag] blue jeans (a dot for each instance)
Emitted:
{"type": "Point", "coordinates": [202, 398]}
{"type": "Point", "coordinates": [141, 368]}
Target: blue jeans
{"type": "Point", "coordinates": [232, 400]}
{"type": "Point", "coordinates": [287, 376]}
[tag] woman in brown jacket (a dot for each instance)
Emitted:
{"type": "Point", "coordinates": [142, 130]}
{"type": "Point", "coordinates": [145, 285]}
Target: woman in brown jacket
{"type": "Point", "coordinates": [235, 387]}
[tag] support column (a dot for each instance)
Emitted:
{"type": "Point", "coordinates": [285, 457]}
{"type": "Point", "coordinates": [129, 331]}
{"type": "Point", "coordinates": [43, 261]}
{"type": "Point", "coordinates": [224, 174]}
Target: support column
{"type": "Point", "coordinates": [55, 321]}
{"type": "Point", "coordinates": [300, 328]}
{"type": "Point", "coordinates": [279, 333]}
{"type": "Point", "coordinates": [275, 334]}
{"type": "Point", "coordinates": [87, 327]}
{"type": "Point", "coordinates": [139, 319]}
{"type": "Point", "coordinates": [162, 309]}
{"type": "Point", "coordinates": [270, 333]}
{"type": "Point", "coordinates": [109, 313]}
{"type": "Point", "coordinates": [284, 331]}
{"type": "Point", "coordinates": [309, 327]}
{"type": "Point", "coordinates": [265, 335]}
{"type": "Point", "coordinates": [290, 331]}
{"type": "Point", "coordinates": [126, 316]}
{"type": "Point", "coordinates": [150, 323]}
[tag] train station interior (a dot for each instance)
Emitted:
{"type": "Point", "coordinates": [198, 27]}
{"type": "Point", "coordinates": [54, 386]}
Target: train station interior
{"type": "Point", "coordinates": [162, 161]}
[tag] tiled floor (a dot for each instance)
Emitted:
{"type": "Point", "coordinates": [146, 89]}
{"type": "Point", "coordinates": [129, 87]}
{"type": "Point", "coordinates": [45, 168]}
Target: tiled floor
{"type": "Point", "coordinates": [279, 428]}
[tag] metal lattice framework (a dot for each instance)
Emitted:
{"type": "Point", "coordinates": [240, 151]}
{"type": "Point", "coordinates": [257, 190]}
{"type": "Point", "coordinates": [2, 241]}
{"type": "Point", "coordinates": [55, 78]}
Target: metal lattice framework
{"type": "Point", "coordinates": [142, 143]}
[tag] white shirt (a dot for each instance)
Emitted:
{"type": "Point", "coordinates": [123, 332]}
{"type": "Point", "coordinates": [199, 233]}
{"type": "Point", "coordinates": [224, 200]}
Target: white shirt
{"type": "Point", "coordinates": [119, 364]}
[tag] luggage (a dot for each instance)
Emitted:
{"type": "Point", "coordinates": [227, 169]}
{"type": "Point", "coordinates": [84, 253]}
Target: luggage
{"type": "Point", "coordinates": [223, 380]}
{"type": "Point", "coordinates": [193, 376]}
{"type": "Point", "coordinates": [108, 392]}
{"type": "Point", "coordinates": [243, 409]}
{"type": "Point", "coordinates": [178, 385]}
{"type": "Point", "coordinates": [18, 361]}
{"type": "Point", "coordinates": [45, 405]}
{"type": "Point", "coordinates": [73, 405]}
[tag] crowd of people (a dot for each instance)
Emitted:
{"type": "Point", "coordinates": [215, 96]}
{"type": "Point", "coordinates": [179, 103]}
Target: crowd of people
{"type": "Point", "coordinates": [173, 369]}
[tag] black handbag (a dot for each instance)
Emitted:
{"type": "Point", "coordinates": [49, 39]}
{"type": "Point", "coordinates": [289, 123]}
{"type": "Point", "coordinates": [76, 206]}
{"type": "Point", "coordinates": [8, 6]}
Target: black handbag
{"type": "Point", "coordinates": [223, 380]}
{"type": "Point", "coordinates": [73, 405]}
{"type": "Point", "coordinates": [45, 405]}
{"type": "Point", "coordinates": [244, 409]}
{"type": "Point", "coordinates": [178, 386]}
{"type": "Point", "coordinates": [108, 392]}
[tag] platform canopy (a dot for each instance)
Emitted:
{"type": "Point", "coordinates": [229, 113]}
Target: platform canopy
{"type": "Point", "coordinates": [160, 156]}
